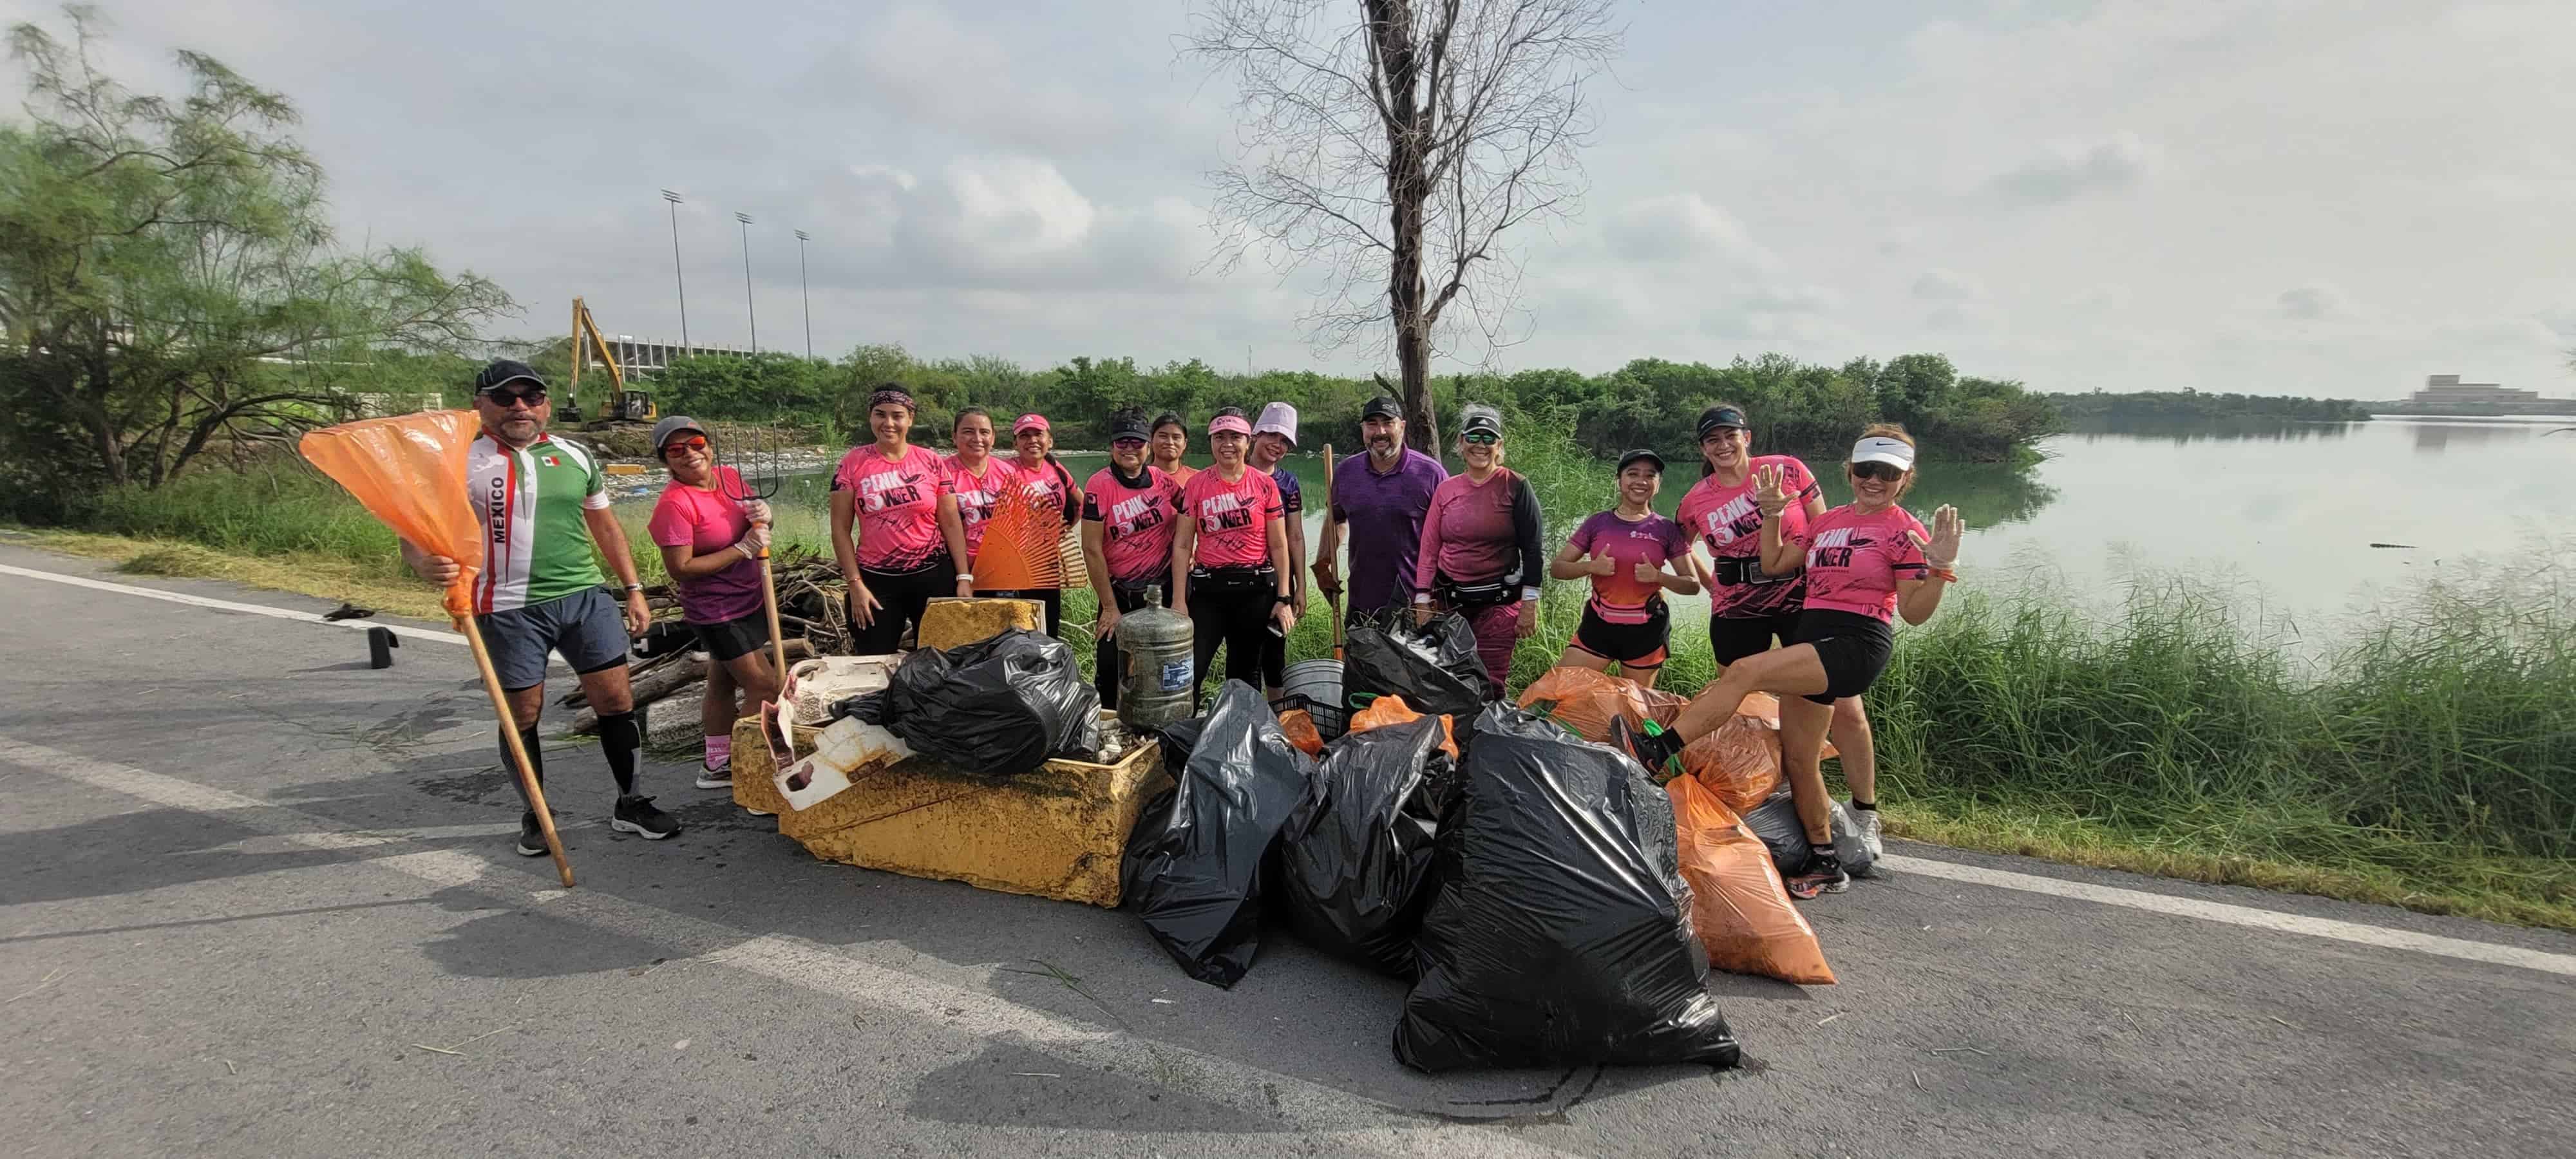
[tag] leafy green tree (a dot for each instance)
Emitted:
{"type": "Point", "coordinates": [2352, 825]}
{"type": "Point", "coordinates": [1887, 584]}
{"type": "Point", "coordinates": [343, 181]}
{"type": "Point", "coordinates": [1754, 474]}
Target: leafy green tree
{"type": "Point", "coordinates": [168, 277]}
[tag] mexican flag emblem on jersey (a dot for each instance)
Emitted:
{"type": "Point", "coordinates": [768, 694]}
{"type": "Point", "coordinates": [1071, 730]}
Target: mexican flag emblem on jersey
{"type": "Point", "coordinates": [552, 461]}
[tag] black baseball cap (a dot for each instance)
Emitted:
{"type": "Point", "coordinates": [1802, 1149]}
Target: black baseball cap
{"type": "Point", "coordinates": [1641, 455]}
{"type": "Point", "coordinates": [1382, 407]}
{"type": "Point", "coordinates": [1479, 417]}
{"type": "Point", "coordinates": [504, 371]}
{"type": "Point", "coordinates": [1716, 417]}
{"type": "Point", "coordinates": [1129, 426]}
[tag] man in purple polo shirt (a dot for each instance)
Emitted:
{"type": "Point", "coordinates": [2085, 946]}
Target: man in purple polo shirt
{"type": "Point", "coordinates": [1383, 495]}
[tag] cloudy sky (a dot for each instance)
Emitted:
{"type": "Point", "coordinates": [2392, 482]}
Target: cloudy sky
{"type": "Point", "coordinates": [2276, 196]}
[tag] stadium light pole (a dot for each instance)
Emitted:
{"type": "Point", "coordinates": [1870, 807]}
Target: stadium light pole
{"type": "Point", "coordinates": [806, 291]}
{"type": "Point", "coordinates": [748, 307]}
{"type": "Point", "coordinates": [676, 276]}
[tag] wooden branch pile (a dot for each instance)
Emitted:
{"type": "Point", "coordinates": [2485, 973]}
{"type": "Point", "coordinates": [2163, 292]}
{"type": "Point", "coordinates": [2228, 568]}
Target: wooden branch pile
{"type": "Point", "coordinates": [813, 615]}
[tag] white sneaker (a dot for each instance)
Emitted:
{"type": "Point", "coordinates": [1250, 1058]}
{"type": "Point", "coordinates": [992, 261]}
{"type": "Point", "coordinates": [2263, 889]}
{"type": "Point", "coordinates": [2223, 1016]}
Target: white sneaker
{"type": "Point", "coordinates": [1866, 820]}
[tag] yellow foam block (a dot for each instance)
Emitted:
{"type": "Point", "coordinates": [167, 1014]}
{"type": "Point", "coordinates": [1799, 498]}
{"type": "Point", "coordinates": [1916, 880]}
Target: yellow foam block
{"type": "Point", "coordinates": [1057, 832]}
{"type": "Point", "coordinates": [949, 621]}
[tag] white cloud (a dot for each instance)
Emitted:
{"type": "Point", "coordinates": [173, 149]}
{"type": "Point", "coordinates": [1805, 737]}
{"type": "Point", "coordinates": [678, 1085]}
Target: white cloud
{"type": "Point", "coordinates": [2312, 303]}
{"type": "Point", "coordinates": [1683, 227]}
{"type": "Point", "coordinates": [1946, 286]}
{"type": "Point", "coordinates": [2065, 172]}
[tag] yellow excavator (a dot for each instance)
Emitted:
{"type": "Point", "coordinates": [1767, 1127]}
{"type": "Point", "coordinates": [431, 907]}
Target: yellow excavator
{"type": "Point", "coordinates": [624, 405]}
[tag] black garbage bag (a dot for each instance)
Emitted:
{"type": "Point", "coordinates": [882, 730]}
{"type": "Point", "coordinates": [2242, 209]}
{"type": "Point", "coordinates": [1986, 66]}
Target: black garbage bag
{"type": "Point", "coordinates": [999, 706]}
{"type": "Point", "coordinates": [1355, 864]}
{"type": "Point", "coordinates": [1433, 667]}
{"type": "Point", "coordinates": [1193, 863]}
{"type": "Point", "coordinates": [1561, 930]}
{"type": "Point", "coordinates": [1776, 822]}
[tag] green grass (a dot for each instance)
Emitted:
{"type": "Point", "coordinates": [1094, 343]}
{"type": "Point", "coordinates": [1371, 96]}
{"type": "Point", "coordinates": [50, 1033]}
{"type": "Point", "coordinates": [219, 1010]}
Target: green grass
{"type": "Point", "coordinates": [2426, 759]}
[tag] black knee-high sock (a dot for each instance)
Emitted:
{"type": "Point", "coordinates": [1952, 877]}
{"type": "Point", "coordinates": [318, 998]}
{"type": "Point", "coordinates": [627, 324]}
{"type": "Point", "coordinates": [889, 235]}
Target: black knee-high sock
{"type": "Point", "coordinates": [536, 764]}
{"type": "Point", "coordinates": [619, 738]}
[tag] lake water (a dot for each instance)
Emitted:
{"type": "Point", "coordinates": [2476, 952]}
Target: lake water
{"type": "Point", "coordinates": [2282, 515]}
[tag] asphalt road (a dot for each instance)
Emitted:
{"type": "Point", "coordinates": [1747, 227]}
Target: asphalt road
{"type": "Point", "coordinates": [256, 898]}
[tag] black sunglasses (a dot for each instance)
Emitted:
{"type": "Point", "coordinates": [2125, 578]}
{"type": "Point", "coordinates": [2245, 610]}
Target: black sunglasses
{"type": "Point", "coordinates": [503, 396]}
{"type": "Point", "coordinates": [1883, 472]}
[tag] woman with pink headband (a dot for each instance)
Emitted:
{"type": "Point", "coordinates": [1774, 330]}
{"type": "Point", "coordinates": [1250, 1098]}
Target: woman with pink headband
{"type": "Point", "coordinates": [1232, 538]}
{"type": "Point", "coordinates": [895, 529]}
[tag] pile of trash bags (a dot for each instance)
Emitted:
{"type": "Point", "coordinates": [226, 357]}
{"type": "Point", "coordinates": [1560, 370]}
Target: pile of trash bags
{"type": "Point", "coordinates": [1000, 706]}
{"type": "Point", "coordinates": [1434, 667]}
{"type": "Point", "coordinates": [1776, 822]}
{"type": "Point", "coordinates": [1534, 888]}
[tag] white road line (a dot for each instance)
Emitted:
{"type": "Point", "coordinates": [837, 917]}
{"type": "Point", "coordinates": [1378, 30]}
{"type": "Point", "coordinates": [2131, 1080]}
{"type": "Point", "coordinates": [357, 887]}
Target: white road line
{"type": "Point", "coordinates": [222, 605]}
{"type": "Point", "coordinates": [2237, 915]}
{"type": "Point", "coordinates": [823, 971]}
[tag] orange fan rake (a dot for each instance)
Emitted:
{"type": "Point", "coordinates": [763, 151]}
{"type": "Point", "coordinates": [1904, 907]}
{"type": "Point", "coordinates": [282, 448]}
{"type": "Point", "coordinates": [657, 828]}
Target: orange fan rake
{"type": "Point", "coordinates": [1021, 549]}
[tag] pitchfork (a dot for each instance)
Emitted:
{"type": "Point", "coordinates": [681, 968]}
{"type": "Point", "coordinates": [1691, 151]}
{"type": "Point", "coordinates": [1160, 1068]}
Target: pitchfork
{"type": "Point", "coordinates": [766, 488]}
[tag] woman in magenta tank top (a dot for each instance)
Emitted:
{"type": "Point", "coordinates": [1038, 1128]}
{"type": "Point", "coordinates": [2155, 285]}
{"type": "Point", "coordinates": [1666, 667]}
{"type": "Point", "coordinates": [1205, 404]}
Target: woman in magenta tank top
{"type": "Point", "coordinates": [1866, 563]}
{"type": "Point", "coordinates": [1632, 556]}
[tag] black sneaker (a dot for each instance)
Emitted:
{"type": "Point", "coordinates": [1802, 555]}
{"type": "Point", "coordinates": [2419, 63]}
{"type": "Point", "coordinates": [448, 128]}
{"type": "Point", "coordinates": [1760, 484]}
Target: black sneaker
{"type": "Point", "coordinates": [637, 815]}
{"type": "Point", "coordinates": [1823, 874]}
{"type": "Point", "coordinates": [532, 838]}
{"type": "Point", "coordinates": [1660, 752]}
{"type": "Point", "coordinates": [720, 777]}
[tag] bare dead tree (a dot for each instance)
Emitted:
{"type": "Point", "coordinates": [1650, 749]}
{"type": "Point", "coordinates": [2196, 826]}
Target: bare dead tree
{"type": "Point", "coordinates": [1395, 144]}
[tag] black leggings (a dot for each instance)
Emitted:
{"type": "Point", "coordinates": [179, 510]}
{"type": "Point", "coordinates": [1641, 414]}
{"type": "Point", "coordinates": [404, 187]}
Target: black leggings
{"type": "Point", "coordinates": [1107, 664]}
{"type": "Point", "coordinates": [1241, 622]}
{"type": "Point", "coordinates": [900, 600]}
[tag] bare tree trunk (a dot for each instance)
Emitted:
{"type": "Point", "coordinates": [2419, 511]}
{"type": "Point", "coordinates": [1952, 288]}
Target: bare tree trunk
{"type": "Point", "coordinates": [1407, 186]}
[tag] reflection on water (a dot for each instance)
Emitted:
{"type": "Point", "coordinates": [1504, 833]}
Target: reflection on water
{"type": "Point", "coordinates": [2433, 436]}
{"type": "Point", "coordinates": [2183, 432]}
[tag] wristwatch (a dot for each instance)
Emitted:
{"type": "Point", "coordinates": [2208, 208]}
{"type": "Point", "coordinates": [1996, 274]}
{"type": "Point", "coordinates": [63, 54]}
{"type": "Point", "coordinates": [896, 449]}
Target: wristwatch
{"type": "Point", "coordinates": [633, 588]}
{"type": "Point", "coordinates": [968, 576]}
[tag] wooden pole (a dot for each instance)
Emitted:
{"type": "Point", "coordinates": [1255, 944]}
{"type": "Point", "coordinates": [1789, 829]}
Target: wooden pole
{"type": "Point", "coordinates": [1333, 597]}
{"type": "Point", "coordinates": [536, 793]}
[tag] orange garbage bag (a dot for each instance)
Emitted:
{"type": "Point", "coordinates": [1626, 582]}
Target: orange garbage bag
{"type": "Point", "coordinates": [1585, 701]}
{"type": "Point", "coordinates": [1739, 908]}
{"type": "Point", "coordinates": [409, 472]}
{"type": "Point", "coordinates": [1386, 710]}
{"type": "Point", "coordinates": [1300, 727]}
{"type": "Point", "coordinates": [1740, 762]}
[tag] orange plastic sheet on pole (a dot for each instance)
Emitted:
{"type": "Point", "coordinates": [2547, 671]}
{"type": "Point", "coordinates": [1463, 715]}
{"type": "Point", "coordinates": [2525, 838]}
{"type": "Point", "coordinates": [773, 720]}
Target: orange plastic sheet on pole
{"type": "Point", "coordinates": [1739, 908]}
{"type": "Point", "coordinates": [1386, 710]}
{"type": "Point", "coordinates": [409, 471]}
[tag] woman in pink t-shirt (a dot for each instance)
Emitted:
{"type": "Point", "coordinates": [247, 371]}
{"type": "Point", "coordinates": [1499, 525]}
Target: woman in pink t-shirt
{"type": "Point", "coordinates": [1748, 606]}
{"type": "Point", "coordinates": [1227, 553]}
{"type": "Point", "coordinates": [895, 529]}
{"type": "Point", "coordinates": [1629, 553]}
{"type": "Point", "coordinates": [1129, 511]}
{"type": "Point", "coordinates": [1037, 471]}
{"type": "Point", "coordinates": [1866, 562]}
{"type": "Point", "coordinates": [975, 476]}
{"type": "Point", "coordinates": [712, 533]}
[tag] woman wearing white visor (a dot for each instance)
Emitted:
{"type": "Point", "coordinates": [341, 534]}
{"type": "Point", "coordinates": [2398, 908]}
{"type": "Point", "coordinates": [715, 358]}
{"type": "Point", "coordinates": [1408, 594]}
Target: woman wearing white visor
{"type": "Point", "coordinates": [1867, 562]}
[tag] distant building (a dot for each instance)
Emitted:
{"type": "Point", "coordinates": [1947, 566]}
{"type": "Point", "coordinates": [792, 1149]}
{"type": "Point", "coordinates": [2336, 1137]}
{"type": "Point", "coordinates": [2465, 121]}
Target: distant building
{"type": "Point", "coordinates": [2448, 390]}
{"type": "Point", "coordinates": [643, 357]}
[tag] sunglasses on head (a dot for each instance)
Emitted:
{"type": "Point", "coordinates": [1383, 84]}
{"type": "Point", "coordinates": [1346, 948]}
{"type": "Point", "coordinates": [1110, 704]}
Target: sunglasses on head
{"type": "Point", "coordinates": [504, 396]}
{"type": "Point", "coordinates": [1482, 438]}
{"type": "Point", "coordinates": [692, 443]}
{"type": "Point", "coordinates": [1883, 472]}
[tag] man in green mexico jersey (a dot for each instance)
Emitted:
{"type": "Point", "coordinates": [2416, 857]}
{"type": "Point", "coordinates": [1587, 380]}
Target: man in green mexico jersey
{"type": "Point", "coordinates": [543, 503]}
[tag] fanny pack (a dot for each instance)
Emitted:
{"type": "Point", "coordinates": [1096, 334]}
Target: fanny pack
{"type": "Point", "coordinates": [1736, 570]}
{"type": "Point", "coordinates": [1230, 580]}
{"type": "Point", "coordinates": [1477, 595]}
{"type": "Point", "coordinates": [1137, 586]}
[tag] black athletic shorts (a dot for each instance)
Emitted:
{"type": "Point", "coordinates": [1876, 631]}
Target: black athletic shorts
{"type": "Point", "coordinates": [1854, 649]}
{"type": "Point", "coordinates": [1734, 639]}
{"type": "Point", "coordinates": [734, 638]}
{"type": "Point", "coordinates": [1627, 645]}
